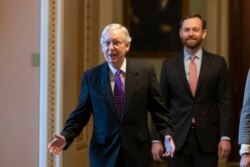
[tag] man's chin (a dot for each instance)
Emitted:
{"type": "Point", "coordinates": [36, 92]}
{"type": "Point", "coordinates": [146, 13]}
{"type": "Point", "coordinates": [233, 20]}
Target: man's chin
{"type": "Point", "coordinates": [112, 61]}
{"type": "Point", "coordinates": [192, 45]}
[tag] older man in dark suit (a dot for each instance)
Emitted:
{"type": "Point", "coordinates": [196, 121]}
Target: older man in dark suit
{"type": "Point", "coordinates": [118, 93]}
{"type": "Point", "coordinates": [196, 89]}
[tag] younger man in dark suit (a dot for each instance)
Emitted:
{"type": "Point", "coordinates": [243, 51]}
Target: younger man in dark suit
{"type": "Point", "coordinates": [196, 89]}
{"type": "Point", "coordinates": [118, 93]}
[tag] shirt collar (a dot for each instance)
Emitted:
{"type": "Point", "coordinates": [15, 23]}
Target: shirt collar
{"type": "Point", "coordinates": [198, 54]}
{"type": "Point", "coordinates": [123, 67]}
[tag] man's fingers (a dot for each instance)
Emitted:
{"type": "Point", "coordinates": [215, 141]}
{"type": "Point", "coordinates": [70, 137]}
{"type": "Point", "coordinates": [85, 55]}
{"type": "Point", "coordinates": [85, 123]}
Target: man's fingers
{"type": "Point", "coordinates": [58, 136]}
{"type": "Point", "coordinates": [156, 157]}
{"type": "Point", "coordinates": [166, 154]}
{"type": "Point", "coordinates": [55, 150]}
{"type": "Point", "coordinates": [223, 154]}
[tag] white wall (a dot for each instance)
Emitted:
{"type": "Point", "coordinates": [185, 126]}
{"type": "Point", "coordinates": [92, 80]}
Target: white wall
{"type": "Point", "coordinates": [19, 83]}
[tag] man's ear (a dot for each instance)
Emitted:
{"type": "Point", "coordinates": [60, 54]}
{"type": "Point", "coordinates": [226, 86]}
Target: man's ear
{"type": "Point", "coordinates": [204, 34]}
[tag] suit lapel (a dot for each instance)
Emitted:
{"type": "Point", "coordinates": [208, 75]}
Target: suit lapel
{"type": "Point", "coordinates": [203, 69]}
{"type": "Point", "coordinates": [132, 77]}
{"type": "Point", "coordinates": [182, 73]}
{"type": "Point", "coordinates": [105, 87]}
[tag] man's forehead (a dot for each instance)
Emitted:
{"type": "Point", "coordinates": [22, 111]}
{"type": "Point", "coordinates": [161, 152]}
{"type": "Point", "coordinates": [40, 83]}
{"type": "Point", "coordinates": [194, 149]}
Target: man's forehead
{"type": "Point", "coordinates": [113, 35]}
{"type": "Point", "coordinates": [192, 22]}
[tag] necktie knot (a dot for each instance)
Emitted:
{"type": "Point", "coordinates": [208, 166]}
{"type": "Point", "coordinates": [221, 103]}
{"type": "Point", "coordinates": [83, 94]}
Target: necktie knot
{"type": "Point", "coordinates": [118, 72]}
{"type": "Point", "coordinates": [192, 58]}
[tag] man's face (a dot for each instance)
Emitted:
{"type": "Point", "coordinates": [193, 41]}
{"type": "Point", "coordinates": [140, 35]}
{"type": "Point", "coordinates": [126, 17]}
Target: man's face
{"type": "Point", "coordinates": [191, 33]}
{"type": "Point", "coordinates": [114, 48]}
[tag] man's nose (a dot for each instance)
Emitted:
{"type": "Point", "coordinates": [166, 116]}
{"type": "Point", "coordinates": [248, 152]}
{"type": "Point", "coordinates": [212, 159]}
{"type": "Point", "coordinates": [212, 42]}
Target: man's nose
{"type": "Point", "coordinates": [111, 45]}
{"type": "Point", "coordinates": [191, 33]}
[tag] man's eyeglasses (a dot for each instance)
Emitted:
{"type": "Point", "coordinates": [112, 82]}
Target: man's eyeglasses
{"type": "Point", "coordinates": [114, 43]}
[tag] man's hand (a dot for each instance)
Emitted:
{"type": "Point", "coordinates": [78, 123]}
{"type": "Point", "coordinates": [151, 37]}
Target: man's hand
{"type": "Point", "coordinates": [245, 160]}
{"type": "Point", "coordinates": [169, 146]}
{"type": "Point", "coordinates": [224, 148]}
{"type": "Point", "coordinates": [57, 144]}
{"type": "Point", "coordinates": [157, 151]}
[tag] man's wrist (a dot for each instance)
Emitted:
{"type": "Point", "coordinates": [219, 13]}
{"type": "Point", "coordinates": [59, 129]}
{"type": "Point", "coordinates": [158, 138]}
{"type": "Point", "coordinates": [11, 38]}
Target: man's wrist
{"type": "Point", "coordinates": [156, 141]}
{"type": "Point", "coordinates": [225, 138]}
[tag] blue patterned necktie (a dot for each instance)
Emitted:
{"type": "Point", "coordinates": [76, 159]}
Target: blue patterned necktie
{"type": "Point", "coordinates": [119, 93]}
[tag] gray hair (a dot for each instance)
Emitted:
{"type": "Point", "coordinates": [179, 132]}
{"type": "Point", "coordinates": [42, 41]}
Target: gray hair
{"type": "Point", "coordinates": [113, 27]}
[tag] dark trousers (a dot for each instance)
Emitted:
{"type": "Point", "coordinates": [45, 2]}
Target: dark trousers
{"type": "Point", "coordinates": [191, 154]}
{"type": "Point", "coordinates": [120, 161]}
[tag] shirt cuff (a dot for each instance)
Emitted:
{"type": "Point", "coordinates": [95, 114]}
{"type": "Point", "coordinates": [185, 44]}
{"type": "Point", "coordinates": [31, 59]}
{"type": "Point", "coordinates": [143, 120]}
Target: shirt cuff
{"type": "Point", "coordinates": [225, 138]}
{"type": "Point", "coordinates": [245, 148]}
{"type": "Point", "coordinates": [156, 141]}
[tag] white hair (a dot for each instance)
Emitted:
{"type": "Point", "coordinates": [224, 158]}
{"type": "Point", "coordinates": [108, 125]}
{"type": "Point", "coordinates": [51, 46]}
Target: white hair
{"type": "Point", "coordinates": [113, 27]}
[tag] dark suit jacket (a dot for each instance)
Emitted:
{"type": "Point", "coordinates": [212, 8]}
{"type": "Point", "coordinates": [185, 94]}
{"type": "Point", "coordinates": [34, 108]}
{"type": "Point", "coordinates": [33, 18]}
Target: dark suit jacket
{"type": "Point", "coordinates": [210, 106]}
{"type": "Point", "coordinates": [110, 134]}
